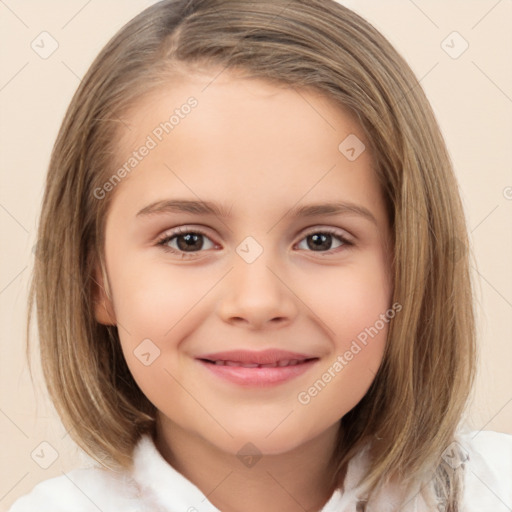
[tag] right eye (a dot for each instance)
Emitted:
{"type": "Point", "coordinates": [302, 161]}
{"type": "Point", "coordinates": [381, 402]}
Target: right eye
{"type": "Point", "coordinates": [186, 241]}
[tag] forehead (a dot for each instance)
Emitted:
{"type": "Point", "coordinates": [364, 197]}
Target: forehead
{"type": "Point", "coordinates": [229, 98]}
{"type": "Point", "coordinates": [243, 136]}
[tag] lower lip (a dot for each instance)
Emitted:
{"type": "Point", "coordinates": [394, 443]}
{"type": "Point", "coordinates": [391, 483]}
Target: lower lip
{"type": "Point", "coordinates": [258, 376]}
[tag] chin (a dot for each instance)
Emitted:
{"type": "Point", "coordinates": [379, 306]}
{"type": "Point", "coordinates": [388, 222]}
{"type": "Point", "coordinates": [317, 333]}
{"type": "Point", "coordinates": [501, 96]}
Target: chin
{"type": "Point", "coordinates": [259, 440]}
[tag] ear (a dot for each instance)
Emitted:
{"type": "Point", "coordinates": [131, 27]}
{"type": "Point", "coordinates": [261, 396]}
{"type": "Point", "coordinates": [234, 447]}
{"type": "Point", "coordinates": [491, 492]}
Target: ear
{"type": "Point", "coordinates": [103, 306]}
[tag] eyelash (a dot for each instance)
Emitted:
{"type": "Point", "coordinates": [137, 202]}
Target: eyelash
{"type": "Point", "coordinates": [184, 230]}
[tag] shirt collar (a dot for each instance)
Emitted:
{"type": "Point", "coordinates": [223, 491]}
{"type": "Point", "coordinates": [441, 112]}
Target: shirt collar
{"type": "Point", "coordinates": [166, 489]}
{"type": "Point", "coordinates": [162, 483]}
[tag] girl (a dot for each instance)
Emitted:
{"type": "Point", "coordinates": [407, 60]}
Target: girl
{"type": "Point", "coordinates": [253, 287]}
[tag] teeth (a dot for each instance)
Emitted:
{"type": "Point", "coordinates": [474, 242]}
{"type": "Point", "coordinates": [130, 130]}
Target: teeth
{"type": "Point", "coordinates": [284, 362]}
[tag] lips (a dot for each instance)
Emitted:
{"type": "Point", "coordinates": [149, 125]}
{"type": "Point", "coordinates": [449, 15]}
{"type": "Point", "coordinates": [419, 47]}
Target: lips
{"type": "Point", "coordinates": [257, 369]}
{"type": "Point", "coordinates": [280, 364]}
{"type": "Point", "coordinates": [270, 358]}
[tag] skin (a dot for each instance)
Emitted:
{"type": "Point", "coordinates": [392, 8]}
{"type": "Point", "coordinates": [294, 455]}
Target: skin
{"type": "Point", "coordinates": [259, 149]}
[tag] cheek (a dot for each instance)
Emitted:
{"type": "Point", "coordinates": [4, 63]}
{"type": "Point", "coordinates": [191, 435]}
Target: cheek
{"type": "Point", "coordinates": [341, 384]}
{"type": "Point", "coordinates": [152, 299]}
{"type": "Point", "coordinates": [156, 308]}
{"type": "Point", "coordinates": [350, 298]}
{"type": "Point", "coordinates": [356, 311]}
{"type": "Point", "coordinates": [348, 373]}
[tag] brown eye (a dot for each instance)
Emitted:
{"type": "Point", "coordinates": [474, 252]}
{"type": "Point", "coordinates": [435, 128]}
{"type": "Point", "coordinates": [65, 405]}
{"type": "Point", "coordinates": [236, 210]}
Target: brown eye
{"type": "Point", "coordinates": [322, 240]}
{"type": "Point", "coordinates": [183, 241]}
{"type": "Point", "coordinates": [190, 241]}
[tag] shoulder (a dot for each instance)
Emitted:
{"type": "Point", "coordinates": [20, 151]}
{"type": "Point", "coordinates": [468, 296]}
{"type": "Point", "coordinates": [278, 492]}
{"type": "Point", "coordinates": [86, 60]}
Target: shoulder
{"type": "Point", "coordinates": [151, 485]}
{"type": "Point", "coordinates": [488, 470]}
{"type": "Point", "coordinates": [81, 490]}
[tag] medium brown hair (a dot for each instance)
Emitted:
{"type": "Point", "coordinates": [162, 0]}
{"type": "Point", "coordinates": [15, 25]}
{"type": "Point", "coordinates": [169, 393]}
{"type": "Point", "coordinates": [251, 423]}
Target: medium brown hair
{"type": "Point", "coordinates": [413, 408]}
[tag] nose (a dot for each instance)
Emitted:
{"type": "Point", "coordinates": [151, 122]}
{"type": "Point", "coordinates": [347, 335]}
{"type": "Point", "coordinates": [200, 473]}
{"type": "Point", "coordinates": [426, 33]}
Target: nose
{"type": "Point", "coordinates": [257, 296]}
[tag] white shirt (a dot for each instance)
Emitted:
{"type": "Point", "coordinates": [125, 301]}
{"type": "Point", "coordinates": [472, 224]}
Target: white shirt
{"type": "Point", "coordinates": [155, 486]}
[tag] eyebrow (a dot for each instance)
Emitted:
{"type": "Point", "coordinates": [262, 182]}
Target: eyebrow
{"type": "Point", "coordinates": [219, 210]}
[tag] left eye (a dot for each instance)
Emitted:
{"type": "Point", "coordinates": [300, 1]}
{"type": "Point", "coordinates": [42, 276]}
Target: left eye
{"type": "Point", "coordinates": [318, 240]}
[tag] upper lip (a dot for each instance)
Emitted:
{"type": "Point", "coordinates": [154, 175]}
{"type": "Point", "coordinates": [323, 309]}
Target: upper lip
{"type": "Point", "coordinates": [269, 356]}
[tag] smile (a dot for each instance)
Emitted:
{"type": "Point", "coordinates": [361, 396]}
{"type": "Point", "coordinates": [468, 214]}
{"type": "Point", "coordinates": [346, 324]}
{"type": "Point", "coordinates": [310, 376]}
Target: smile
{"type": "Point", "coordinates": [277, 364]}
{"type": "Point", "coordinates": [257, 375]}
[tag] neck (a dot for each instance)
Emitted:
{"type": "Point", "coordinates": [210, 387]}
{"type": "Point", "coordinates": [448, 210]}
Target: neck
{"type": "Point", "coordinates": [294, 481]}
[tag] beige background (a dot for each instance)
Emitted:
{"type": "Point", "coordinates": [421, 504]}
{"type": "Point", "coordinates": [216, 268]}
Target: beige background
{"type": "Point", "coordinates": [472, 98]}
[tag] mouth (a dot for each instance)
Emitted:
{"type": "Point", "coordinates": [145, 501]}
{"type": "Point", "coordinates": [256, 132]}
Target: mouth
{"type": "Point", "coordinates": [277, 364]}
{"type": "Point", "coordinates": [264, 368]}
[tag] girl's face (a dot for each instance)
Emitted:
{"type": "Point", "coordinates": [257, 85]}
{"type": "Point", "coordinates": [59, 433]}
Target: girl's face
{"type": "Point", "coordinates": [236, 166]}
